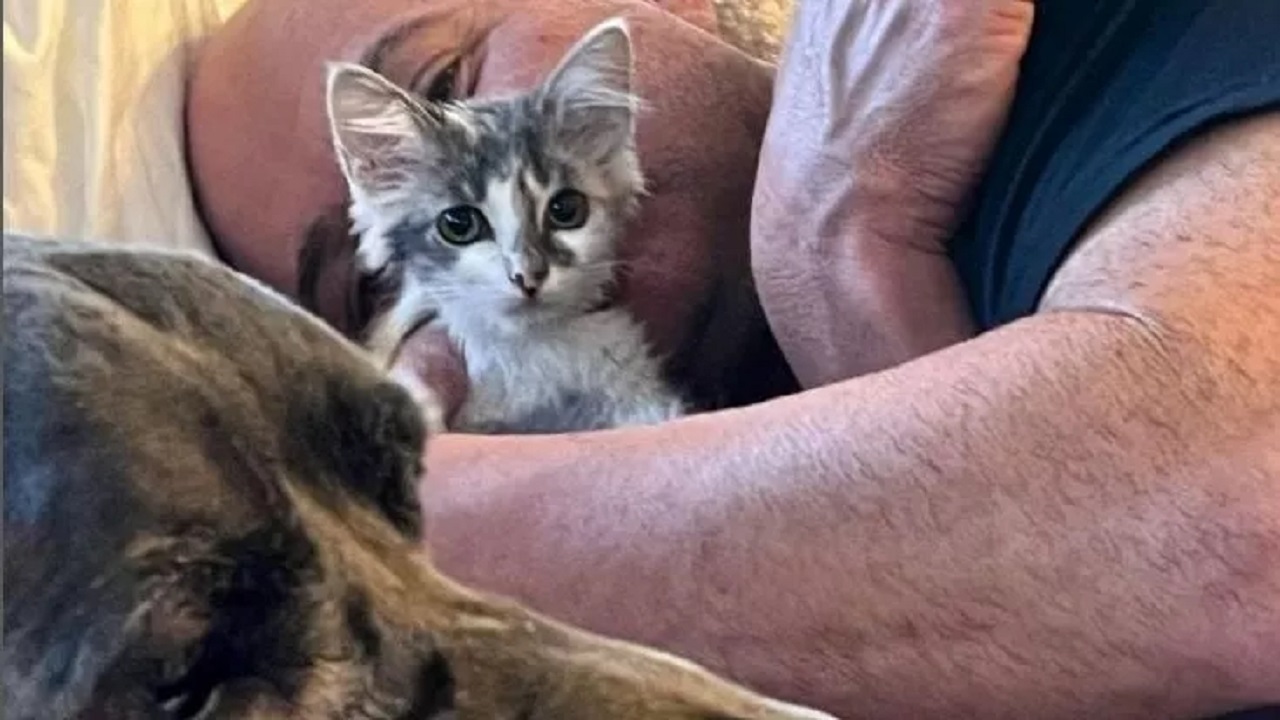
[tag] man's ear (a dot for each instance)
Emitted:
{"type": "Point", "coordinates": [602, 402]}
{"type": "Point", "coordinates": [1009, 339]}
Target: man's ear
{"type": "Point", "coordinates": [589, 92]}
{"type": "Point", "coordinates": [381, 134]}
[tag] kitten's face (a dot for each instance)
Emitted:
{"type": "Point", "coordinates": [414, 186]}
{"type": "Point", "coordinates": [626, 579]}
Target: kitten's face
{"type": "Point", "coordinates": [507, 210]}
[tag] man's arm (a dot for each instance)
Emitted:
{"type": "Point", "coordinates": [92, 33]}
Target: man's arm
{"type": "Point", "coordinates": [884, 113]}
{"type": "Point", "coordinates": [1077, 515]}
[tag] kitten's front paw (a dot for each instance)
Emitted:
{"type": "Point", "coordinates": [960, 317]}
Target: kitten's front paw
{"type": "Point", "coordinates": [434, 373]}
{"type": "Point", "coordinates": [434, 412]}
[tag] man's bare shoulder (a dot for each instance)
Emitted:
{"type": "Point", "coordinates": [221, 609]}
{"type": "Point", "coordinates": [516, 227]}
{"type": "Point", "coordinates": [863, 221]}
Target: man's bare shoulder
{"type": "Point", "coordinates": [1193, 245]}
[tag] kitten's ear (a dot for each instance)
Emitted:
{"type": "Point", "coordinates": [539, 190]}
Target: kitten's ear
{"type": "Point", "coordinates": [380, 133]}
{"type": "Point", "coordinates": [590, 90]}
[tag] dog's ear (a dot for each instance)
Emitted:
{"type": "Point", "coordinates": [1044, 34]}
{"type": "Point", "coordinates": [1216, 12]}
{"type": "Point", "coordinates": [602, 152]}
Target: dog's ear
{"type": "Point", "coordinates": [363, 439]}
{"type": "Point", "coordinates": [162, 629]}
{"type": "Point", "coordinates": [75, 642]}
{"type": "Point", "coordinates": [56, 659]}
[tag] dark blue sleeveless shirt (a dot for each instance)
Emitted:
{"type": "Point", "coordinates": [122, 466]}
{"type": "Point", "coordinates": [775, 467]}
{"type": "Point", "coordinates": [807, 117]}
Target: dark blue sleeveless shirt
{"type": "Point", "coordinates": [1107, 87]}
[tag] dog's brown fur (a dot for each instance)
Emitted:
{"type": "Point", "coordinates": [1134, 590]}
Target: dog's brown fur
{"type": "Point", "coordinates": [210, 511]}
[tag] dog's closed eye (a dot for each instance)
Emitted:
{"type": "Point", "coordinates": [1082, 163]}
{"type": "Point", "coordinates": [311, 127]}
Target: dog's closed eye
{"type": "Point", "coordinates": [196, 693]}
{"type": "Point", "coordinates": [193, 705]}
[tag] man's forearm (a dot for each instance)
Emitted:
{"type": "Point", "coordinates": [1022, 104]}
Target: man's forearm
{"type": "Point", "coordinates": [1024, 525]}
{"type": "Point", "coordinates": [858, 305]}
{"type": "Point", "coordinates": [883, 115]}
{"type": "Point", "coordinates": [850, 280]}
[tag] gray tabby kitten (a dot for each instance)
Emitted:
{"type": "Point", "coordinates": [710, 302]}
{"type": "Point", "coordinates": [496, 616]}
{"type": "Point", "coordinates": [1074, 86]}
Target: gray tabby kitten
{"type": "Point", "coordinates": [499, 219]}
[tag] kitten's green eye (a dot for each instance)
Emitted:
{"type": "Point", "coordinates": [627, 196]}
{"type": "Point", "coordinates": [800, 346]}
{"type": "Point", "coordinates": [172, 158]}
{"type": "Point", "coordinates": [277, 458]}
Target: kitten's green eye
{"type": "Point", "coordinates": [461, 225]}
{"type": "Point", "coordinates": [567, 210]}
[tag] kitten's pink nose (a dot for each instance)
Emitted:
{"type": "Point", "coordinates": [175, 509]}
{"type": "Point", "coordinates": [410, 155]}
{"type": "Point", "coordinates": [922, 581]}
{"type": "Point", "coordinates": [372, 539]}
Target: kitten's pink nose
{"type": "Point", "coordinates": [529, 283]}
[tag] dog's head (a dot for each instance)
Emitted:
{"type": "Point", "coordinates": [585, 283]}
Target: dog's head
{"type": "Point", "coordinates": [210, 512]}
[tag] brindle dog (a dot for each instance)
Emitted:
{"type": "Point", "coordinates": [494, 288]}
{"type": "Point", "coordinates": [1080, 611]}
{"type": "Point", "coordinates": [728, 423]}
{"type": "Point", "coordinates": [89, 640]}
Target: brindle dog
{"type": "Point", "coordinates": [209, 512]}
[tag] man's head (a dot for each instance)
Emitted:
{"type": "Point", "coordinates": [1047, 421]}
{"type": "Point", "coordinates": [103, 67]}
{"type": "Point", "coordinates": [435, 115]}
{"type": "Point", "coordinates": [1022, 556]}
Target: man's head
{"type": "Point", "coordinates": [263, 164]}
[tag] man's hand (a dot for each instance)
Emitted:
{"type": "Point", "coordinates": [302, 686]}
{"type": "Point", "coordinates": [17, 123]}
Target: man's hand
{"type": "Point", "coordinates": [432, 369]}
{"type": "Point", "coordinates": [884, 114]}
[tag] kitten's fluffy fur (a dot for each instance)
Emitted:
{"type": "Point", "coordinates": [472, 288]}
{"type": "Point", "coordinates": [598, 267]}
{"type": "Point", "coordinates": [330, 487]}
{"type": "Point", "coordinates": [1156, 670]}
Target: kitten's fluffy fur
{"type": "Point", "coordinates": [553, 358]}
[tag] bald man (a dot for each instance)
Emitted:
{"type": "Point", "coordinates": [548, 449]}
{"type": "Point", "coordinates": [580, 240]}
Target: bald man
{"type": "Point", "coordinates": [1035, 469]}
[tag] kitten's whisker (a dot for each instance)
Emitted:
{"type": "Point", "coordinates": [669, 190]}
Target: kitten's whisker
{"type": "Point", "coordinates": [601, 267]}
{"type": "Point", "coordinates": [625, 265]}
{"type": "Point", "coordinates": [602, 263]}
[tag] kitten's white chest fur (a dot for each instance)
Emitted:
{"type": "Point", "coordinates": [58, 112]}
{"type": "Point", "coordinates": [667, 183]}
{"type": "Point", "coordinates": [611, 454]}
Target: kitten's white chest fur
{"type": "Point", "coordinates": [590, 371]}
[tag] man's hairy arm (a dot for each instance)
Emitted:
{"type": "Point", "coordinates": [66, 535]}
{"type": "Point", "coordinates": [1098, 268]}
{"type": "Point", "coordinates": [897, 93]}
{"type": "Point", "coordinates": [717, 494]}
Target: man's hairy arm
{"type": "Point", "coordinates": [1076, 515]}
